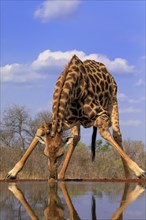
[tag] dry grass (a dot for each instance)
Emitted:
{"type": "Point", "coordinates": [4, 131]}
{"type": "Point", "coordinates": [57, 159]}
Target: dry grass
{"type": "Point", "coordinates": [107, 164]}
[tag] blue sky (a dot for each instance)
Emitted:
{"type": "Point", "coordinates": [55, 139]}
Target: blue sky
{"type": "Point", "coordinates": [39, 37]}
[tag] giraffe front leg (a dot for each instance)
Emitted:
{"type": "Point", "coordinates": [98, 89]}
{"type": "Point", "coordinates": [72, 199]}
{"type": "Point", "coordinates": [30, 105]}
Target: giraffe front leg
{"type": "Point", "coordinates": [12, 174]}
{"type": "Point", "coordinates": [76, 137]}
{"type": "Point", "coordinates": [105, 133]}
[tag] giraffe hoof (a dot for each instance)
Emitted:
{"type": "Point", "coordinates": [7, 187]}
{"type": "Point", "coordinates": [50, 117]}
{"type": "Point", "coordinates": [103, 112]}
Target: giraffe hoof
{"type": "Point", "coordinates": [60, 177]}
{"type": "Point", "coordinates": [142, 176]}
{"type": "Point", "coordinates": [10, 177]}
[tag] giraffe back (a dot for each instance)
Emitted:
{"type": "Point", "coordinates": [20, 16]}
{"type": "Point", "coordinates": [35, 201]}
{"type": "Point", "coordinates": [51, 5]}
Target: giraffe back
{"type": "Point", "coordinates": [83, 91]}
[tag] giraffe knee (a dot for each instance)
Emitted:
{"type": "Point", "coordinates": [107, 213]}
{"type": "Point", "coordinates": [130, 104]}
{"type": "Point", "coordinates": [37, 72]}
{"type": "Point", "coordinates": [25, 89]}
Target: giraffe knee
{"type": "Point", "coordinates": [76, 139]}
{"type": "Point", "coordinates": [103, 128]}
{"type": "Point", "coordinates": [117, 136]}
{"type": "Point", "coordinates": [104, 133]}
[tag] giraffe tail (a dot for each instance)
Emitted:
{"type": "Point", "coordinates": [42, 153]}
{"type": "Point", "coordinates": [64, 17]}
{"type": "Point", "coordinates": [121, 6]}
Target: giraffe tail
{"type": "Point", "coordinates": [93, 143]}
{"type": "Point", "coordinates": [94, 209]}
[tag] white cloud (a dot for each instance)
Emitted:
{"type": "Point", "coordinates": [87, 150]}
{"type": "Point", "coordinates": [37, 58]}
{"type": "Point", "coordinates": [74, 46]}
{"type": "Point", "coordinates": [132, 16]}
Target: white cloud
{"type": "Point", "coordinates": [130, 110]}
{"type": "Point", "coordinates": [49, 58]}
{"type": "Point", "coordinates": [55, 9]}
{"type": "Point", "coordinates": [49, 62]}
{"type": "Point", "coordinates": [58, 58]}
{"type": "Point", "coordinates": [19, 73]}
{"type": "Point", "coordinates": [134, 123]}
{"type": "Point", "coordinates": [118, 65]}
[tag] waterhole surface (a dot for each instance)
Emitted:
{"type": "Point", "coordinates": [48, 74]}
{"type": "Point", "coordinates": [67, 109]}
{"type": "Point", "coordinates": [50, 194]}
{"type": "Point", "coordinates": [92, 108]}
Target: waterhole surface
{"type": "Point", "coordinates": [72, 200]}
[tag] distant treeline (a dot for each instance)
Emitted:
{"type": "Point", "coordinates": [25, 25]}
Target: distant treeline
{"type": "Point", "coordinates": [17, 130]}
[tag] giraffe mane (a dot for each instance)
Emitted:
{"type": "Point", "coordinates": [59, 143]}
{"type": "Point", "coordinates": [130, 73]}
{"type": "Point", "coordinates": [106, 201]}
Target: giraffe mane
{"type": "Point", "coordinates": [59, 96]}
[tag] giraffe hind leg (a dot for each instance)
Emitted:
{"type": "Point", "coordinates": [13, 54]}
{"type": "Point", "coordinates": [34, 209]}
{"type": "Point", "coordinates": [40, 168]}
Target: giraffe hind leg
{"type": "Point", "coordinates": [117, 135]}
{"type": "Point", "coordinates": [103, 128]}
{"type": "Point", "coordinates": [142, 176]}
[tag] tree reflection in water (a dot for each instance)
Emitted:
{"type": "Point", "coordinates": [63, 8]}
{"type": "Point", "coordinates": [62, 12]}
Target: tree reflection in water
{"type": "Point", "coordinates": [55, 207]}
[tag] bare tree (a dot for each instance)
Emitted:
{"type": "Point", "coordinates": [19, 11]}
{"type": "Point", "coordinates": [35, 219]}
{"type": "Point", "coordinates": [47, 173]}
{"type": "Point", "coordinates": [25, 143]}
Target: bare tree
{"type": "Point", "coordinates": [18, 127]}
{"type": "Point", "coordinates": [15, 126]}
{"type": "Point", "coordinates": [40, 119]}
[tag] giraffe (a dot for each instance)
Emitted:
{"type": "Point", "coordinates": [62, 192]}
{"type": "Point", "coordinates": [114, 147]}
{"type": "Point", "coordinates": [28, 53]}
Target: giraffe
{"type": "Point", "coordinates": [85, 95]}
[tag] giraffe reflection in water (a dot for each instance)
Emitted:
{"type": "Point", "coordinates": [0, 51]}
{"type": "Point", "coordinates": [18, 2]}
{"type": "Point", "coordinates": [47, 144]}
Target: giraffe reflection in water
{"type": "Point", "coordinates": [55, 209]}
{"type": "Point", "coordinates": [127, 199]}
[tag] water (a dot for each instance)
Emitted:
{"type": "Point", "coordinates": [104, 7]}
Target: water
{"type": "Point", "coordinates": [71, 200]}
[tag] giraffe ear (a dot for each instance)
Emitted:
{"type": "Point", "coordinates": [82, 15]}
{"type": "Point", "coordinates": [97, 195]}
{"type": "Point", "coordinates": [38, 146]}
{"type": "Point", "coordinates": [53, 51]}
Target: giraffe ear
{"type": "Point", "coordinates": [41, 139]}
{"type": "Point", "coordinates": [67, 140]}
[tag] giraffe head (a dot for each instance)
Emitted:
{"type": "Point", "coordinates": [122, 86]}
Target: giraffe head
{"type": "Point", "coordinates": [53, 148]}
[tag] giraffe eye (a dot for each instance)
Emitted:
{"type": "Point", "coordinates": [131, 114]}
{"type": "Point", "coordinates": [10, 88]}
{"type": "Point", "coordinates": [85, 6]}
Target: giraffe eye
{"type": "Point", "coordinates": [47, 132]}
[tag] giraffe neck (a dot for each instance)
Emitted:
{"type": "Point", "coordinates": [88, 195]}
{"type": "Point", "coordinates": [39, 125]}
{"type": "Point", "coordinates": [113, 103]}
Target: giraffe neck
{"type": "Point", "coordinates": [64, 88]}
